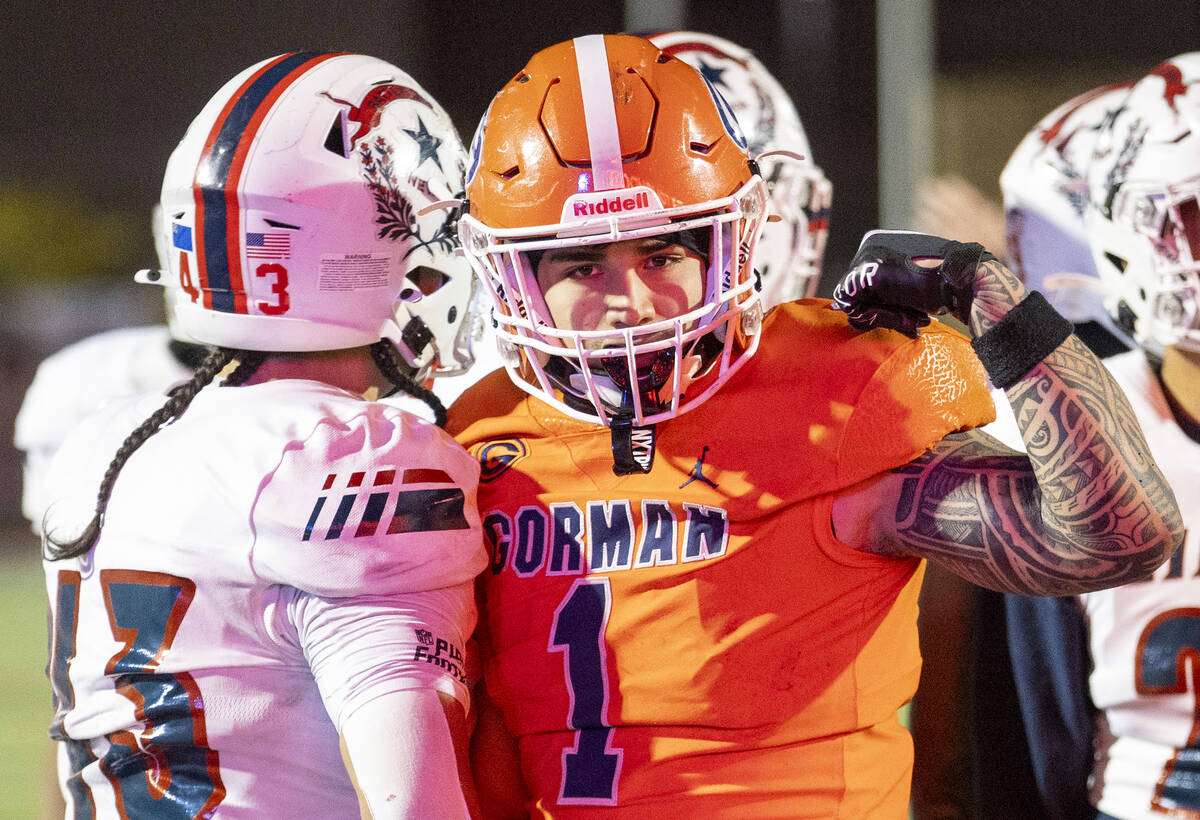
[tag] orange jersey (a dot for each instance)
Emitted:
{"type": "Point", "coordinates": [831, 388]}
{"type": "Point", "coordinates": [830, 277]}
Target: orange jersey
{"type": "Point", "coordinates": [695, 639]}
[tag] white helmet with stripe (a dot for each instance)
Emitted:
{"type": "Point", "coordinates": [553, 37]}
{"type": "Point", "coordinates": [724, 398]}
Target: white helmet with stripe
{"type": "Point", "coordinates": [296, 215]}
{"type": "Point", "coordinates": [789, 252]}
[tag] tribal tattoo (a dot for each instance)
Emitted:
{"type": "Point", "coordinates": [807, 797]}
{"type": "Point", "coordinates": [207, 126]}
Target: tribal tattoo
{"type": "Point", "coordinates": [1086, 508]}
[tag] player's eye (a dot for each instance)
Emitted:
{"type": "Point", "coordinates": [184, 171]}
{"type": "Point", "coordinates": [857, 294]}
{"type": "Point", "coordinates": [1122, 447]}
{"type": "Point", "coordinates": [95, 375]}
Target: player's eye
{"type": "Point", "coordinates": [663, 260]}
{"type": "Point", "coordinates": [582, 272]}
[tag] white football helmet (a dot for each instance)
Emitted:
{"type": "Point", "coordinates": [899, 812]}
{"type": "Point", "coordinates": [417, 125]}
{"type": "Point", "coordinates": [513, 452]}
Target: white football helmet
{"type": "Point", "coordinates": [1045, 191]}
{"type": "Point", "coordinates": [556, 163]}
{"type": "Point", "coordinates": [162, 250]}
{"type": "Point", "coordinates": [296, 215]}
{"type": "Point", "coordinates": [1143, 222]}
{"type": "Point", "coordinates": [788, 256]}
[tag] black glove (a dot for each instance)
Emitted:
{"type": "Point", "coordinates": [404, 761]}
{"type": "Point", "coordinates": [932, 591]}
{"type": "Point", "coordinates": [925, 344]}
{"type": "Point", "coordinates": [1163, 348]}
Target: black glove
{"type": "Point", "coordinates": [886, 288]}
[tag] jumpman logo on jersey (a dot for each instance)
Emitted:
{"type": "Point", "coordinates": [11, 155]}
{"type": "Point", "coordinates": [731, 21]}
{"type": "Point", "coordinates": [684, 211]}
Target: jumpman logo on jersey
{"type": "Point", "coordinates": [697, 473]}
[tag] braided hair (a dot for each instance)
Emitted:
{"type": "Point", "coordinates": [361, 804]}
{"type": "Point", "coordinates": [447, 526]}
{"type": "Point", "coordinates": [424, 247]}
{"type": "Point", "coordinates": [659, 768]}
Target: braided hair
{"type": "Point", "coordinates": [384, 354]}
{"type": "Point", "coordinates": [178, 400]}
{"type": "Point", "coordinates": [248, 362]}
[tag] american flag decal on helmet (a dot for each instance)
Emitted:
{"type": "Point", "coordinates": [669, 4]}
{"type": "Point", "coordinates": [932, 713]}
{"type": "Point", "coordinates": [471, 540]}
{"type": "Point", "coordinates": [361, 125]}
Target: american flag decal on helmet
{"type": "Point", "coordinates": [219, 175]}
{"type": "Point", "coordinates": [361, 507]}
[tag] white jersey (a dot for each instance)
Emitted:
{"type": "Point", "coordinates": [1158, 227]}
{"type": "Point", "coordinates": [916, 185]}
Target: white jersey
{"type": "Point", "coordinates": [1145, 642]}
{"type": "Point", "coordinates": [77, 380]}
{"type": "Point", "coordinates": [270, 562]}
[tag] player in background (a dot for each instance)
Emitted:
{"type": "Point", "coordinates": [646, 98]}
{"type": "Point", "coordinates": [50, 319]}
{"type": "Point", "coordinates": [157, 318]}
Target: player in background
{"type": "Point", "coordinates": [270, 567]}
{"type": "Point", "coordinates": [965, 714]}
{"type": "Point", "coordinates": [789, 251]}
{"type": "Point", "coordinates": [1136, 665]}
{"type": "Point", "coordinates": [709, 607]}
{"type": "Point", "coordinates": [84, 376]}
{"type": "Point", "coordinates": [127, 361]}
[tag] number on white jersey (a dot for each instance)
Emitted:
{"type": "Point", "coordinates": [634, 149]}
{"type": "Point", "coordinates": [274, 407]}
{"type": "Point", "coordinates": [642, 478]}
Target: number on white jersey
{"type": "Point", "coordinates": [165, 769]}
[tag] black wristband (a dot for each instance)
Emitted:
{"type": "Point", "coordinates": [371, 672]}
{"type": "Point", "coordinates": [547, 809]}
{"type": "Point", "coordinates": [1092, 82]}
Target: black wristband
{"type": "Point", "coordinates": [1018, 342]}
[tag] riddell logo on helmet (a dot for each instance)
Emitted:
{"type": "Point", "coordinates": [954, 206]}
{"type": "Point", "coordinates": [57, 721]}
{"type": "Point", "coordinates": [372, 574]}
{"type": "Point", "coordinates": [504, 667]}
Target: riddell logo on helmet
{"type": "Point", "coordinates": [612, 206]}
{"type": "Point", "coordinates": [609, 203]}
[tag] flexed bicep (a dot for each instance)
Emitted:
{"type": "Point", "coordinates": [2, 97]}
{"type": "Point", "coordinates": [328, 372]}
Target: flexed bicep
{"type": "Point", "coordinates": [977, 507]}
{"type": "Point", "coordinates": [1084, 508]}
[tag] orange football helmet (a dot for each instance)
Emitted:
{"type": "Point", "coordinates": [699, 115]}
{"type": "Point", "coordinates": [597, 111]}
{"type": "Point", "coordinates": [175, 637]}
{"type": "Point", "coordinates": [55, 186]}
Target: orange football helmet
{"type": "Point", "coordinates": [603, 139]}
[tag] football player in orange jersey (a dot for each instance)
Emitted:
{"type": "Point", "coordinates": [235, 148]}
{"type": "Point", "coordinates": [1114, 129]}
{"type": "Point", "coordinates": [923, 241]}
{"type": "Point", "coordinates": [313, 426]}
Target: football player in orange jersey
{"type": "Point", "coordinates": [706, 604]}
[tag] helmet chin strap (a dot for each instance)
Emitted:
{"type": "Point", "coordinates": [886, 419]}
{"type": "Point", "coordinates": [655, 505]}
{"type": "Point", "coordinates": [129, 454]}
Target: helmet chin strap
{"type": "Point", "coordinates": [415, 337]}
{"type": "Point", "coordinates": [633, 446]}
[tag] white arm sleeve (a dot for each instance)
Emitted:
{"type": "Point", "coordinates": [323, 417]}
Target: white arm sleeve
{"type": "Point", "coordinates": [366, 647]}
{"type": "Point", "coordinates": [403, 757]}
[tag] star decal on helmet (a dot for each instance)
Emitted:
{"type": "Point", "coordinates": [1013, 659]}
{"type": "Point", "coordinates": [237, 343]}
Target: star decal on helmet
{"type": "Point", "coordinates": [714, 74]}
{"type": "Point", "coordinates": [427, 143]}
{"type": "Point", "coordinates": [397, 219]}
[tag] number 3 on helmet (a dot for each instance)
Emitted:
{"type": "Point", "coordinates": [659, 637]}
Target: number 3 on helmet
{"type": "Point", "coordinates": [598, 140]}
{"type": "Point", "coordinates": [292, 215]}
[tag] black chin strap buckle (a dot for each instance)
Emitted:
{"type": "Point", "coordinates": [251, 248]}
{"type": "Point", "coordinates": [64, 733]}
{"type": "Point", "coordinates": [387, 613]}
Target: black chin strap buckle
{"type": "Point", "coordinates": [632, 447]}
{"type": "Point", "coordinates": [416, 335]}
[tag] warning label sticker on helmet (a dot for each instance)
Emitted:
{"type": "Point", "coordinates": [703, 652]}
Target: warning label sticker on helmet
{"type": "Point", "coordinates": [354, 271]}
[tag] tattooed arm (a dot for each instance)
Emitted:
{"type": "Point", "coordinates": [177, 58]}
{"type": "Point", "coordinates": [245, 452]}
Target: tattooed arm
{"type": "Point", "coordinates": [1086, 508]}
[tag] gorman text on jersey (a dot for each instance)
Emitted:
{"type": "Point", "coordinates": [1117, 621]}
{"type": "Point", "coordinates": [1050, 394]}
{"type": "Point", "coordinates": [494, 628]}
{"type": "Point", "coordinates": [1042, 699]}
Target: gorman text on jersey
{"type": "Point", "coordinates": [603, 536]}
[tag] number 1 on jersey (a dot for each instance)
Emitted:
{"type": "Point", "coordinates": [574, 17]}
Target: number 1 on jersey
{"type": "Point", "coordinates": [591, 767]}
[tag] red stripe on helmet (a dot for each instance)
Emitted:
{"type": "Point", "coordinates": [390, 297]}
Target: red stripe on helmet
{"type": "Point", "coordinates": [233, 176]}
{"type": "Point", "coordinates": [706, 48]}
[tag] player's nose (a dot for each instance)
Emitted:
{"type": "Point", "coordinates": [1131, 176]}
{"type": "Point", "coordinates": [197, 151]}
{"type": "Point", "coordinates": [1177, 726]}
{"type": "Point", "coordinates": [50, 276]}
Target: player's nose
{"type": "Point", "coordinates": [631, 298]}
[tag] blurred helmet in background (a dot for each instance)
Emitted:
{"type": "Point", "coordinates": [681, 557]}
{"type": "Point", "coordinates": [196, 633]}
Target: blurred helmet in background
{"type": "Point", "coordinates": [1143, 220]}
{"type": "Point", "coordinates": [1045, 189]}
{"type": "Point", "coordinates": [788, 256]}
